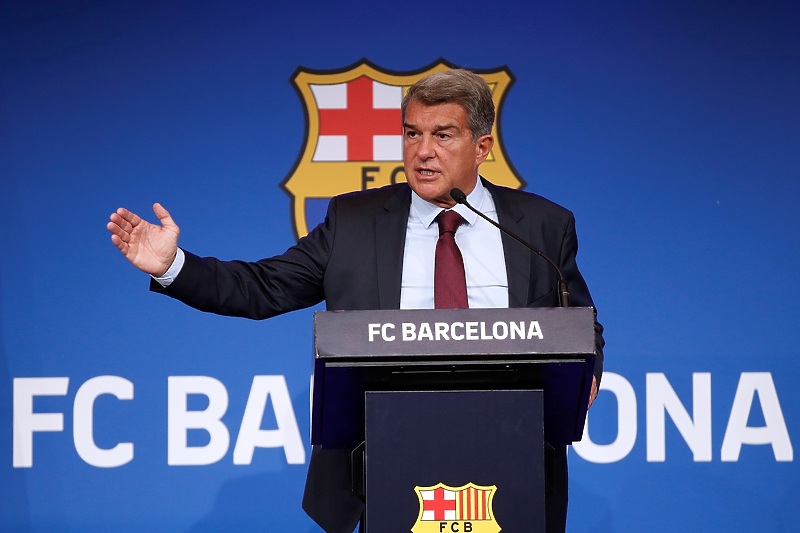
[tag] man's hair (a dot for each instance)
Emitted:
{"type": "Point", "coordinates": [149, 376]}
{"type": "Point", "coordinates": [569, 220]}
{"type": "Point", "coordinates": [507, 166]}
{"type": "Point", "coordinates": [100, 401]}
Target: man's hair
{"type": "Point", "coordinates": [457, 86]}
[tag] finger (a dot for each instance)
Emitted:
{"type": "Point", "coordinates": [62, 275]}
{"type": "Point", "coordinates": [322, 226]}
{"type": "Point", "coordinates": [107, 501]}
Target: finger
{"type": "Point", "coordinates": [116, 221]}
{"type": "Point", "coordinates": [114, 227]}
{"type": "Point", "coordinates": [593, 391]}
{"type": "Point", "coordinates": [164, 216]}
{"type": "Point", "coordinates": [120, 227]}
{"type": "Point", "coordinates": [121, 245]}
{"type": "Point", "coordinates": [122, 219]}
{"type": "Point", "coordinates": [132, 218]}
{"type": "Point", "coordinates": [161, 211]}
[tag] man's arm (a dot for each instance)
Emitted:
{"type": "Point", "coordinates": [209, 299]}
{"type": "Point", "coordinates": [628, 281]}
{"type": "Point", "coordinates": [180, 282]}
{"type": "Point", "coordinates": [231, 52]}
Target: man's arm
{"type": "Point", "coordinates": [579, 295]}
{"type": "Point", "coordinates": [256, 289]}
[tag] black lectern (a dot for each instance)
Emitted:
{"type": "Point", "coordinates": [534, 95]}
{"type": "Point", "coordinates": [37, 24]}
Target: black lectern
{"type": "Point", "coordinates": [448, 411]}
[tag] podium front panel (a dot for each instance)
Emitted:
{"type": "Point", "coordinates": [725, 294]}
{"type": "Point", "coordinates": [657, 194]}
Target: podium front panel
{"type": "Point", "coordinates": [463, 456]}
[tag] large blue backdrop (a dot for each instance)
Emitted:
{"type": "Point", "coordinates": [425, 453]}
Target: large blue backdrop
{"type": "Point", "coordinates": [670, 128]}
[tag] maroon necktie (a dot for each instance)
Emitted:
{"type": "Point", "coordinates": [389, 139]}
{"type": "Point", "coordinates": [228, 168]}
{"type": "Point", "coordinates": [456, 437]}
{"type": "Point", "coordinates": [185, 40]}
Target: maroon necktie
{"type": "Point", "coordinates": [449, 280]}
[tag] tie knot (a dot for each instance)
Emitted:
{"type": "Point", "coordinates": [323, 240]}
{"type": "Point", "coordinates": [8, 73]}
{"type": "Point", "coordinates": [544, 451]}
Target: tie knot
{"type": "Point", "coordinates": [449, 221]}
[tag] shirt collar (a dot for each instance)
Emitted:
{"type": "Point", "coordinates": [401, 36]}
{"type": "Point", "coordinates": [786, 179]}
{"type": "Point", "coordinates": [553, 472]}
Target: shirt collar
{"type": "Point", "coordinates": [427, 212]}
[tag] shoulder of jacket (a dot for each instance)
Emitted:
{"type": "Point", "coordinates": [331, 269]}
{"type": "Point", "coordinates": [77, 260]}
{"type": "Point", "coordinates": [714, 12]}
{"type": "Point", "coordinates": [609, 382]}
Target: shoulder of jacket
{"type": "Point", "coordinates": [373, 197]}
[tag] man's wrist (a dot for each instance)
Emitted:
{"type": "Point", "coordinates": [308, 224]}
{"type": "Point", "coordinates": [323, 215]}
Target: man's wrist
{"type": "Point", "coordinates": [166, 279]}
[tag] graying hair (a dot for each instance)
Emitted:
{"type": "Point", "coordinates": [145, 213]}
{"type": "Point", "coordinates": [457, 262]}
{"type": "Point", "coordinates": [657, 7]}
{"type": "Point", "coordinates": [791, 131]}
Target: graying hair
{"type": "Point", "coordinates": [456, 86]}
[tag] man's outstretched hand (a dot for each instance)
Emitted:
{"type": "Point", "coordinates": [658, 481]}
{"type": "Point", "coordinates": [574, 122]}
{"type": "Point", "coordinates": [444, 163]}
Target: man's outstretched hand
{"type": "Point", "coordinates": [150, 247]}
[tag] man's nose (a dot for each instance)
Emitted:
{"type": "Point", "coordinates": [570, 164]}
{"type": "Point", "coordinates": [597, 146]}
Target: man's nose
{"type": "Point", "coordinates": [426, 148]}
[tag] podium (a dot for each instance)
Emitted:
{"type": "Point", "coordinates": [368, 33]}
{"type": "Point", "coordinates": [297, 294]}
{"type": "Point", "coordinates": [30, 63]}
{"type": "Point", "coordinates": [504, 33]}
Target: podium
{"type": "Point", "coordinates": [448, 411]}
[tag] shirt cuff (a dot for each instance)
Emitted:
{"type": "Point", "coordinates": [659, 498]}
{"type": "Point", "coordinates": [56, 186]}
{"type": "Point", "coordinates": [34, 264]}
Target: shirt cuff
{"type": "Point", "coordinates": [166, 279]}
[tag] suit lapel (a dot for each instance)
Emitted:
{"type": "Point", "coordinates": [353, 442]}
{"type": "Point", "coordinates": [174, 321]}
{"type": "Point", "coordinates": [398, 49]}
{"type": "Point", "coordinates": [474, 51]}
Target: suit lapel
{"type": "Point", "coordinates": [518, 264]}
{"type": "Point", "coordinates": [390, 241]}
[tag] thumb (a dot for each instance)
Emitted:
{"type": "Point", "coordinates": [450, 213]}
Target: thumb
{"type": "Point", "coordinates": [164, 216]}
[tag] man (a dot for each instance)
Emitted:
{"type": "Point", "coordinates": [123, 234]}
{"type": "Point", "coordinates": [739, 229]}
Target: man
{"type": "Point", "coordinates": [376, 250]}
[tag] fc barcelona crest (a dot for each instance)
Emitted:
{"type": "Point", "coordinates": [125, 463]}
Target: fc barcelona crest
{"type": "Point", "coordinates": [354, 131]}
{"type": "Point", "coordinates": [461, 509]}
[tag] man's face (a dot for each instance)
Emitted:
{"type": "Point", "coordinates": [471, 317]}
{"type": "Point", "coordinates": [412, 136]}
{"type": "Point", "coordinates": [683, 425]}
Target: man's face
{"type": "Point", "coordinates": [438, 151]}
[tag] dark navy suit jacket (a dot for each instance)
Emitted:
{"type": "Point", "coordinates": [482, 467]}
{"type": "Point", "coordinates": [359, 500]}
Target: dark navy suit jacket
{"type": "Point", "coordinates": [354, 261]}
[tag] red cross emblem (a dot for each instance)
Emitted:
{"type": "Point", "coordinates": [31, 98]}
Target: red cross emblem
{"type": "Point", "coordinates": [360, 121]}
{"type": "Point", "coordinates": [439, 504]}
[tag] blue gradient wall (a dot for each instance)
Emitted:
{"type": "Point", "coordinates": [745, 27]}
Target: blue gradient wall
{"type": "Point", "coordinates": [669, 128]}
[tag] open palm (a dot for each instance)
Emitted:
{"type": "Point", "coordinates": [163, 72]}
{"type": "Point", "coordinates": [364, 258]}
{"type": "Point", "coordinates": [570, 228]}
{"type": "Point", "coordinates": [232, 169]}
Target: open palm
{"type": "Point", "coordinates": [150, 247]}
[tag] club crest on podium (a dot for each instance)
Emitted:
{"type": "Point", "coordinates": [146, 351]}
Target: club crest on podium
{"type": "Point", "coordinates": [464, 509]}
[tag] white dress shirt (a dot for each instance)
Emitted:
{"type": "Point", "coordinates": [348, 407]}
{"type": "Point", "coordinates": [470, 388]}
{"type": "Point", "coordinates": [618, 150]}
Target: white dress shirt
{"type": "Point", "coordinates": [480, 245]}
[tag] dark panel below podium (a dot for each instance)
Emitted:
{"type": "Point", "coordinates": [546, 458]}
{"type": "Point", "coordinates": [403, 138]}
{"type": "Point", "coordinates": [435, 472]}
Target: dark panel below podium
{"type": "Point", "coordinates": [454, 438]}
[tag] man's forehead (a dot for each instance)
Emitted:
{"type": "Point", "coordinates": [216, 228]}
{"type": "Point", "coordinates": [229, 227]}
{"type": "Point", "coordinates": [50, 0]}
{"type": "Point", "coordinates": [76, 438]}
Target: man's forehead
{"type": "Point", "coordinates": [448, 115]}
{"type": "Point", "coordinates": [438, 107]}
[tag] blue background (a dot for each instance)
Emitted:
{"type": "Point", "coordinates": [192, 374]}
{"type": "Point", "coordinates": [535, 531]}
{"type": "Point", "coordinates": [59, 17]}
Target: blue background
{"type": "Point", "coordinates": [671, 129]}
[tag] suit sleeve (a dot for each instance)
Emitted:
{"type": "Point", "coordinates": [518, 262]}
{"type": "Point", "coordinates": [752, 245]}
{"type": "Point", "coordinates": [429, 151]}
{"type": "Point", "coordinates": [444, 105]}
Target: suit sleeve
{"type": "Point", "coordinates": [579, 295]}
{"type": "Point", "coordinates": [260, 289]}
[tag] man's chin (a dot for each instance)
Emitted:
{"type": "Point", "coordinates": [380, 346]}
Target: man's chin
{"type": "Point", "coordinates": [433, 193]}
{"type": "Point", "coordinates": [442, 201]}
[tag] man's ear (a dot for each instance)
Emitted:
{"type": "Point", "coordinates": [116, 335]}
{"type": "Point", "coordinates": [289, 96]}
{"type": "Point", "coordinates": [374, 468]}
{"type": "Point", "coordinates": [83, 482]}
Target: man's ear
{"type": "Point", "coordinates": [483, 146]}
